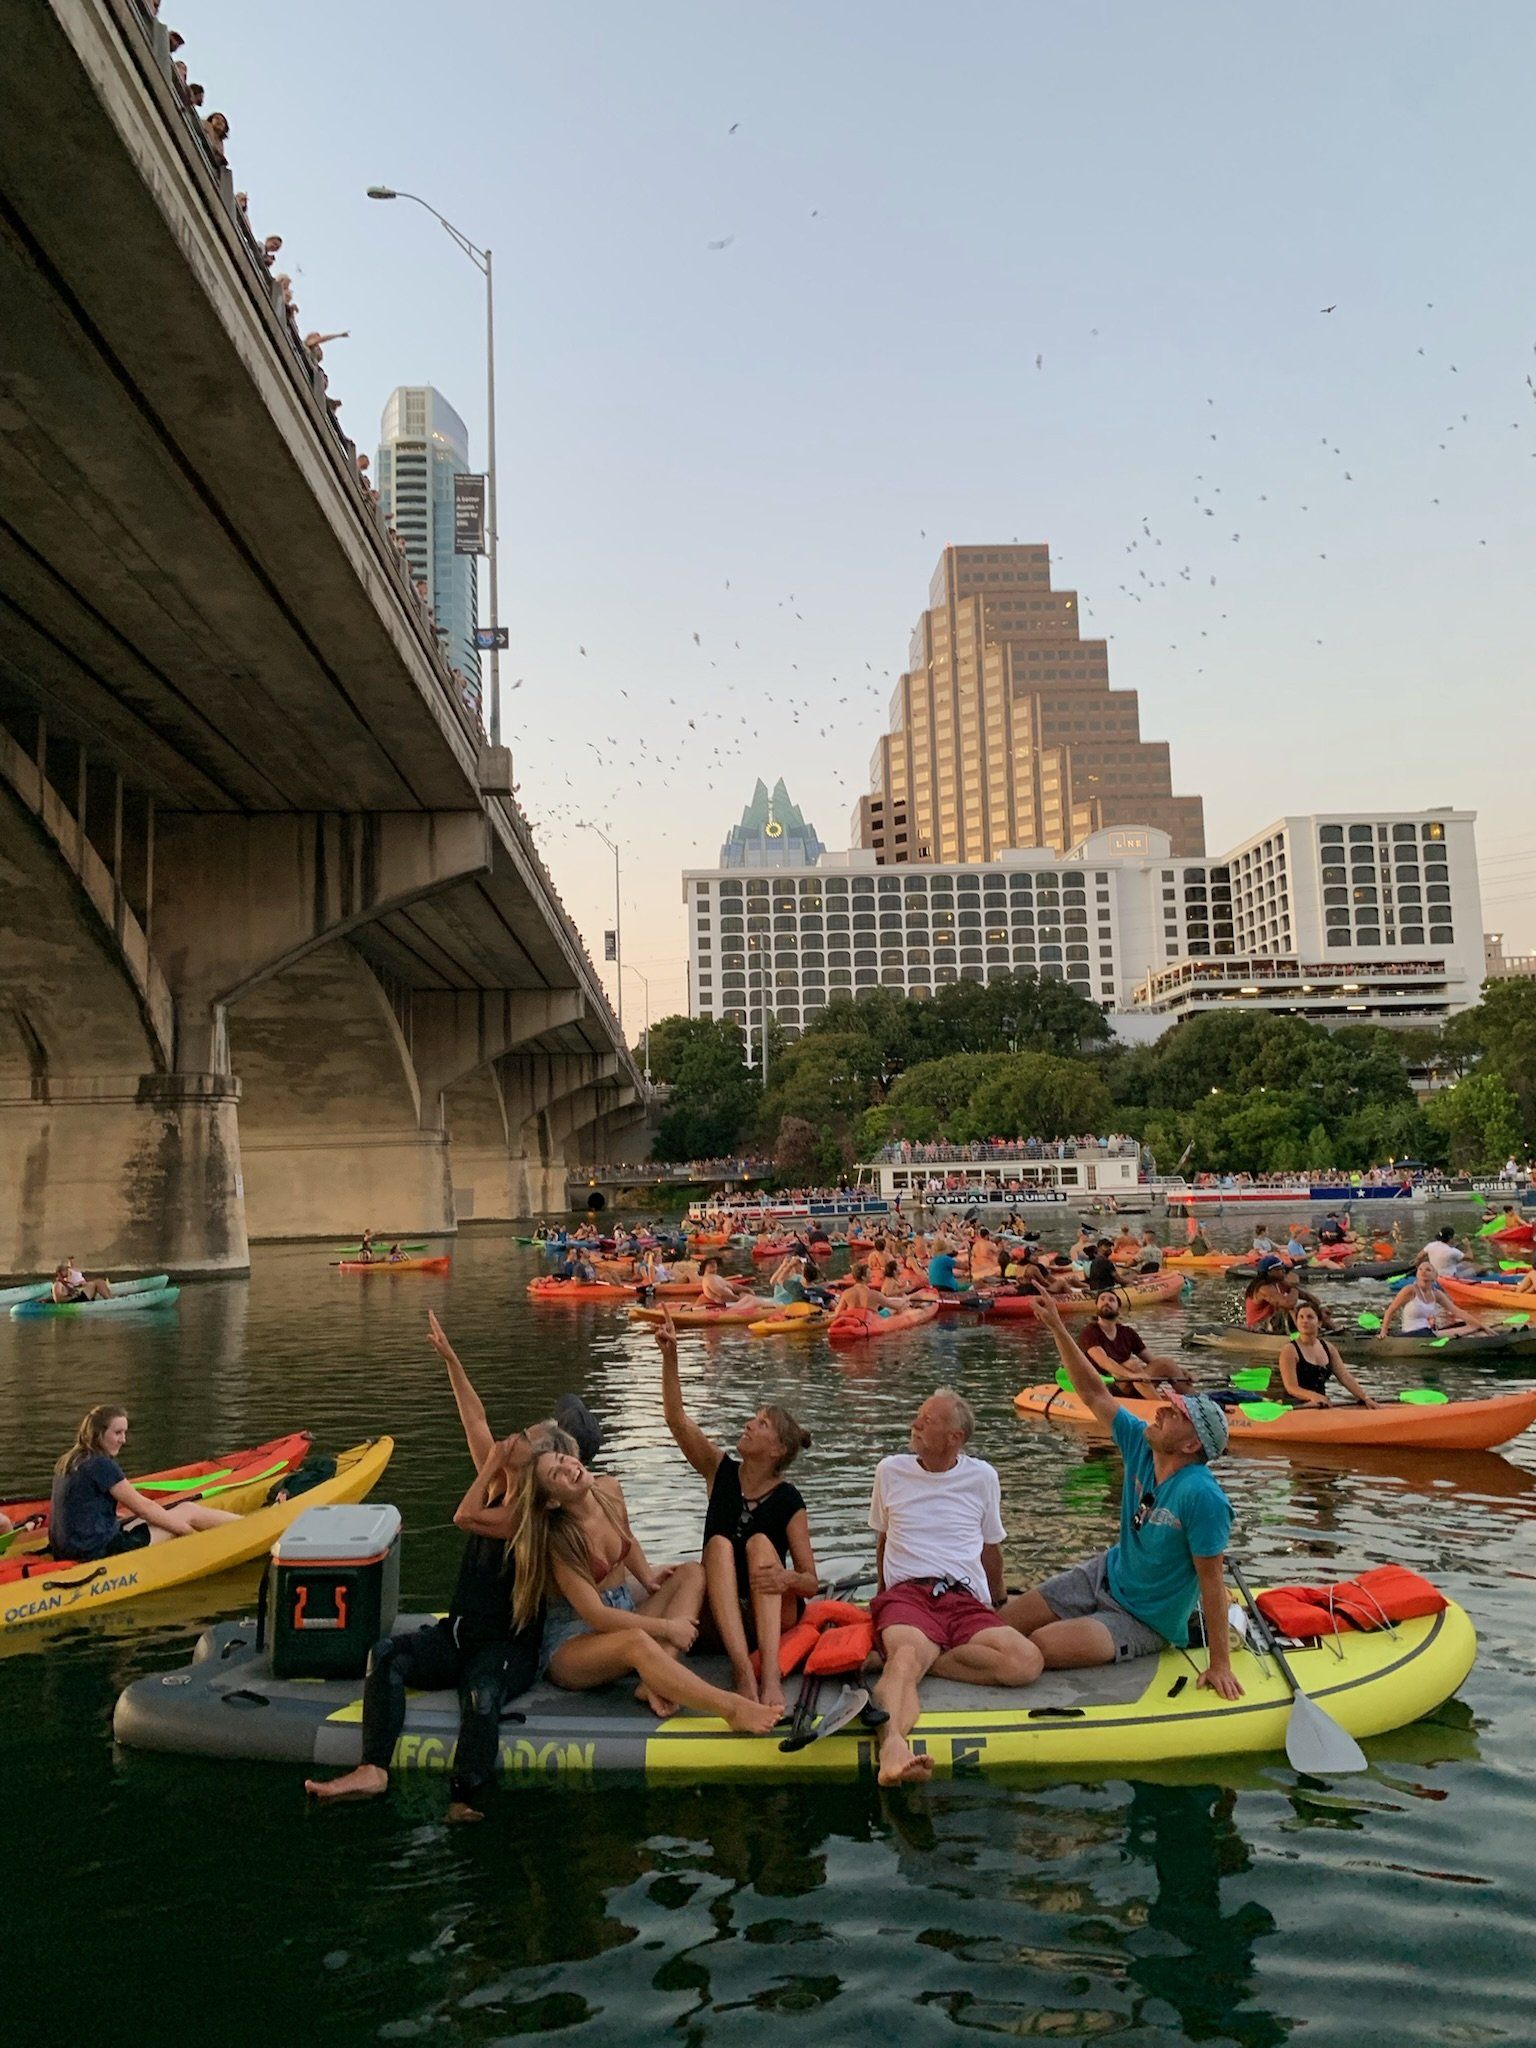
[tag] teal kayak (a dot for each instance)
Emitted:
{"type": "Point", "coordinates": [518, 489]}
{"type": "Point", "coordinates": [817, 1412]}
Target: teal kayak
{"type": "Point", "coordinates": [157, 1295]}
{"type": "Point", "coordinates": [38, 1290]}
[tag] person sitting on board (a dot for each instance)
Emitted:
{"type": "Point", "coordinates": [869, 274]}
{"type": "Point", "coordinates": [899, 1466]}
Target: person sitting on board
{"type": "Point", "coordinates": [1126, 1248]}
{"type": "Point", "coordinates": [895, 1283]}
{"type": "Point", "coordinates": [942, 1277]}
{"type": "Point", "coordinates": [937, 1514]}
{"type": "Point", "coordinates": [63, 1290]}
{"type": "Point", "coordinates": [1263, 1245]}
{"type": "Point", "coordinates": [476, 1647]}
{"type": "Point", "coordinates": [576, 1266]}
{"type": "Point", "coordinates": [758, 1562]}
{"type": "Point", "coordinates": [1119, 1353]}
{"type": "Point", "coordinates": [365, 1252]}
{"type": "Point", "coordinates": [1149, 1254]}
{"type": "Point", "coordinates": [1197, 1244]}
{"type": "Point", "coordinates": [1295, 1244]}
{"type": "Point", "coordinates": [1102, 1270]}
{"type": "Point", "coordinates": [96, 1511]}
{"type": "Point", "coordinates": [89, 1290]}
{"type": "Point", "coordinates": [985, 1260]}
{"type": "Point", "coordinates": [607, 1612]}
{"type": "Point", "coordinates": [1447, 1258]}
{"type": "Point", "coordinates": [1331, 1232]}
{"type": "Point", "coordinates": [394, 1255]}
{"type": "Point", "coordinates": [1309, 1361]}
{"type": "Point", "coordinates": [1426, 1310]}
{"type": "Point", "coordinates": [1136, 1599]}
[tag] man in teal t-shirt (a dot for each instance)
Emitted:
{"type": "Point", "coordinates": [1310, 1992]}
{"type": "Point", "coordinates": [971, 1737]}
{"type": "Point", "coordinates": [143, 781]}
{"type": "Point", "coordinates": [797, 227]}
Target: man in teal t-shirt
{"type": "Point", "coordinates": [1175, 1522]}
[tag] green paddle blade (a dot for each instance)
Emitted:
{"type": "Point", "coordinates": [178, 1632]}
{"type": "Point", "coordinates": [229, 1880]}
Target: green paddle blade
{"type": "Point", "coordinates": [1064, 1380]}
{"type": "Point", "coordinates": [1264, 1411]}
{"type": "Point", "coordinates": [1423, 1397]}
{"type": "Point", "coordinates": [1366, 1321]}
{"type": "Point", "coordinates": [1251, 1379]}
{"type": "Point", "coordinates": [183, 1485]}
{"type": "Point", "coordinates": [1397, 1280]}
{"type": "Point", "coordinates": [1438, 1343]}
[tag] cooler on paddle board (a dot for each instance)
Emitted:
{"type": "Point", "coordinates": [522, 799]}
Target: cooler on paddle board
{"type": "Point", "coordinates": [335, 1590]}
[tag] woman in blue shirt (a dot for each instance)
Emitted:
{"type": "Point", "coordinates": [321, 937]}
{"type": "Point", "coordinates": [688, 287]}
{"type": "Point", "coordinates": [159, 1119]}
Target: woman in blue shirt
{"type": "Point", "coordinates": [96, 1511]}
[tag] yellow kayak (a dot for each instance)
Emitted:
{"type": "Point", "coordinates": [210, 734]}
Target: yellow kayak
{"type": "Point", "coordinates": [53, 1590]}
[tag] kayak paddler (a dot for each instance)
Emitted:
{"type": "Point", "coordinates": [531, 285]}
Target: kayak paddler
{"type": "Point", "coordinates": [96, 1511]}
{"type": "Point", "coordinates": [475, 1647]}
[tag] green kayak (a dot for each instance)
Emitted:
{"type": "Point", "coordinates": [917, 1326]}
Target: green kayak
{"type": "Point", "coordinates": [148, 1295]}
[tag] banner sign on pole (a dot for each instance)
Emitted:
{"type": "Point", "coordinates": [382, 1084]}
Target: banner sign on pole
{"type": "Point", "coordinates": [468, 514]}
{"type": "Point", "coordinates": [610, 945]}
{"type": "Point", "coordinates": [491, 637]}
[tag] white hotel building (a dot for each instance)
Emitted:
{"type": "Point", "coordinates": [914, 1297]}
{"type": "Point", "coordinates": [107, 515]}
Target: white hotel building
{"type": "Point", "coordinates": [1347, 917]}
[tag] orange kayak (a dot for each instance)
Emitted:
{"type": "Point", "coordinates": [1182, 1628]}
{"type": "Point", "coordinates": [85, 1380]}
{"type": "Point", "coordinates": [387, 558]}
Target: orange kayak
{"type": "Point", "coordinates": [698, 1317]}
{"type": "Point", "coordinates": [1450, 1426]}
{"type": "Point", "coordinates": [1489, 1294]}
{"type": "Point", "coordinates": [437, 1265]}
{"type": "Point", "coordinates": [861, 1323]}
{"type": "Point", "coordinates": [1203, 1262]}
{"type": "Point", "coordinates": [1143, 1293]}
{"type": "Point", "coordinates": [550, 1289]}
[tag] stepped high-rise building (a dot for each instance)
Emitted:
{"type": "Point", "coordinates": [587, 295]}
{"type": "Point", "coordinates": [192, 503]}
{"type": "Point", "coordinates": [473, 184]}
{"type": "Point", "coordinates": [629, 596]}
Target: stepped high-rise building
{"type": "Point", "coordinates": [1004, 730]}
{"type": "Point", "coordinates": [422, 445]}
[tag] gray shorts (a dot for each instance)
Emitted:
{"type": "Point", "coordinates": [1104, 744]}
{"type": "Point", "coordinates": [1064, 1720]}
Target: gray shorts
{"type": "Point", "coordinates": [1082, 1592]}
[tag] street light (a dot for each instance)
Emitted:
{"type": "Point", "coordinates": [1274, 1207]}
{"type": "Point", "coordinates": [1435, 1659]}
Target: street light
{"type": "Point", "coordinates": [645, 984]}
{"type": "Point", "coordinates": [585, 825]}
{"type": "Point", "coordinates": [481, 258]}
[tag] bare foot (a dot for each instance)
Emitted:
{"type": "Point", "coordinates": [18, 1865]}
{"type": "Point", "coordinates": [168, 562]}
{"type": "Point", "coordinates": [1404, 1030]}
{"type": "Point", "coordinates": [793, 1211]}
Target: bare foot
{"type": "Point", "coordinates": [366, 1782]}
{"type": "Point", "coordinates": [458, 1811]}
{"type": "Point", "coordinates": [773, 1696]}
{"type": "Point", "coordinates": [750, 1717]}
{"type": "Point", "coordinates": [900, 1766]}
{"type": "Point", "coordinates": [663, 1709]}
{"type": "Point", "coordinates": [744, 1681]}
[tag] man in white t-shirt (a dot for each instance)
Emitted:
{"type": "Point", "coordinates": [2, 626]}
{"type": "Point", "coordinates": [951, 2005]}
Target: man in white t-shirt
{"type": "Point", "coordinates": [939, 1559]}
{"type": "Point", "coordinates": [1446, 1256]}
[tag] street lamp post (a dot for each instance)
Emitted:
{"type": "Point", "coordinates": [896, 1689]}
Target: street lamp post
{"type": "Point", "coordinates": [585, 825]}
{"type": "Point", "coordinates": [645, 984]}
{"type": "Point", "coordinates": [481, 258]}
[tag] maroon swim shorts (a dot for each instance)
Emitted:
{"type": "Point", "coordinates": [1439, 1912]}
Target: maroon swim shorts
{"type": "Point", "coordinates": [949, 1621]}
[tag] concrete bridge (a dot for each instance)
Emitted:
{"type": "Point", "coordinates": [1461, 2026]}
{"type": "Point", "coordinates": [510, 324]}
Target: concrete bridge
{"type": "Point", "coordinates": [278, 956]}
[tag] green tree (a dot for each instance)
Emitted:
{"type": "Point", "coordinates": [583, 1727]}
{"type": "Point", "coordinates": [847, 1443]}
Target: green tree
{"type": "Point", "coordinates": [1504, 1027]}
{"type": "Point", "coordinates": [1480, 1119]}
{"type": "Point", "coordinates": [933, 1100]}
{"type": "Point", "coordinates": [1037, 1094]}
{"type": "Point", "coordinates": [714, 1097]}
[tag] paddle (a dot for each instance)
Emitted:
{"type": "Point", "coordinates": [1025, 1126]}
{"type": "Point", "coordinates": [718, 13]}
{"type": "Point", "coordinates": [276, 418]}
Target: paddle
{"type": "Point", "coordinates": [1315, 1743]}
{"type": "Point", "coordinates": [1264, 1411]}
{"type": "Point", "coordinates": [1251, 1379]}
{"type": "Point", "coordinates": [350, 1251]}
{"type": "Point", "coordinates": [1423, 1397]}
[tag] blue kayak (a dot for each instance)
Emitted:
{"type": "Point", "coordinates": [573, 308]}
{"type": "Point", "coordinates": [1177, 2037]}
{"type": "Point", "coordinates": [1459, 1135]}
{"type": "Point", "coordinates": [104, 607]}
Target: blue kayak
{"type": "Point", "coordinates": [145, 1294]}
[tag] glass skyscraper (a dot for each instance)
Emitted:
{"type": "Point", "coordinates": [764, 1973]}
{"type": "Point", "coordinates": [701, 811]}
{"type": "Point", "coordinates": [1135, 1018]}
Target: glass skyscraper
{"type": "Point", "coordinates": [423, 444]}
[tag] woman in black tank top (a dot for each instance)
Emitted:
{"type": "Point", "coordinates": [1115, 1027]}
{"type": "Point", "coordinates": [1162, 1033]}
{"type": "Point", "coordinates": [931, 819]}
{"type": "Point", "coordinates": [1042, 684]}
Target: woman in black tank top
{"type": "Point", "coordinates": [758, 1561]}
{"type": "Point", "coordinates": [1309, 1362]}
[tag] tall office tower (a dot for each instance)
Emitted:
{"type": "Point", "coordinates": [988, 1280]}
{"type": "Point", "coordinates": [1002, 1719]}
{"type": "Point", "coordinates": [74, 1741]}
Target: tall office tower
{"type": "Point", "coordinates": [1004, 730]}
{"type": "Point", "coordinates": [423, 445]}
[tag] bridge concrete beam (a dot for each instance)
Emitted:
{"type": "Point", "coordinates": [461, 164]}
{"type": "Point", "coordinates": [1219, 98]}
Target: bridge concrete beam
{"type": "Point", "coordinates": [238, 899]}
{"type": "Point", "coordinates": [454, 1032]}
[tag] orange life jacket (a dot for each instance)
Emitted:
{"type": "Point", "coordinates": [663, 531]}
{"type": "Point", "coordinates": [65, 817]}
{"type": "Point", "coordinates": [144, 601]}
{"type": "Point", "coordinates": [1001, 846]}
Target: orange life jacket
{"type": "Point", "coordinates": [1373, 1599]}
{"type": "Point", "coordinates": [830, 1636]}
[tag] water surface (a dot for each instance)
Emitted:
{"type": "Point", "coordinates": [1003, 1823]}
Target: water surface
{"type": "Point", "coordinates": [1231, 1904]}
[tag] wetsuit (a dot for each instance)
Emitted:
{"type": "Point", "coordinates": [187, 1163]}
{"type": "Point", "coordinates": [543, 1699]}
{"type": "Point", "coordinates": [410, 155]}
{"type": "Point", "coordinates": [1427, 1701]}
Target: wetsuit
{"type": "Point", "coordinates": [475, 1649]}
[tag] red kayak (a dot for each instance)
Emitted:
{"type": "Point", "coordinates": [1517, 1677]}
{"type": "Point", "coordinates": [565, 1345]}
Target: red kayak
{"type": "Point", "coordinates": [550, 1289]}
{"type": "Point", "coordinates": [856, 1325]}
{"type": "Point", "coordinates": [269, 1462]}
{"type": "Point", "coordinates": [437, 1265]}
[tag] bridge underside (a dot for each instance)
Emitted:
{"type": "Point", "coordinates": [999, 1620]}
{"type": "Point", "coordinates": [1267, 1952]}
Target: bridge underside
{"type": "Point", "coordinates": [278, 956]}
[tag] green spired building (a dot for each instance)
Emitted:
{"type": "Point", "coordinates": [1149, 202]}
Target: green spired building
{"type": "Point", "coordinates": [772, 833]}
